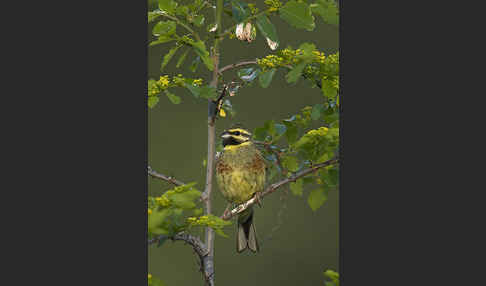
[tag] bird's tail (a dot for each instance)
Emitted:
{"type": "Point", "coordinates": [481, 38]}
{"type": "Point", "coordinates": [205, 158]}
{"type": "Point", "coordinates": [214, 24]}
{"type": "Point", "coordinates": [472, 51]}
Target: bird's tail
{"type": "Point", "coordinates": [246, 232]}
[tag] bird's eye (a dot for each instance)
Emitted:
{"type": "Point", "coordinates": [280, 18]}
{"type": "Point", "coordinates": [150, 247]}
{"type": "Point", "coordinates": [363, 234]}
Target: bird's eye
{"type": "Point", "coordinates": [237, 133]}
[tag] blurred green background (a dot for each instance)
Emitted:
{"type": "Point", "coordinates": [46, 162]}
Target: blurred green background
{"type": "Point", "coordinates": [307, 242]}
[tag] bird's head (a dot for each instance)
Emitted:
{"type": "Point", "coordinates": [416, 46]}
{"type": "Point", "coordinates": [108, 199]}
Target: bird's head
{"type": "Point", "coordinates": [235, 136]}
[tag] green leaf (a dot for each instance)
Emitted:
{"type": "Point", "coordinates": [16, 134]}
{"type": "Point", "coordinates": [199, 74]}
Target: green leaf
{"type": "Point", "coordinates": [290, 163]}
{"type": "Point", "coordinates": [333, 275]}
{"type": "Point", "coordinates": [316, 111]}
{"type": "Point", "coordinates": [161, 40]}
{"type": "Point", "coordinates": [200, 50]}
{"type": "Point", "coordinates": [248, 74]}
{"type": "Point", "coordinates": [328, 88]}
{"type": "Point", "coordinates": [162, 28]}
{"type": "Point", "coordinates": [182, 58]}
{"type": "Point", "coordinates": [169, 56]}
{"type": "Point", "coordinates": [260, 133]}
{"type": "Point", "coordinates": [155, 221]}
{"type": "Point", "coordinates": [240, 10]}
{"type": "Point", "coordinates": [297, 14]}
{"type": "Point", "coordinates": [328, 11]}
{"type": "Point", "coordinates": [297, 187]}
{"type": "Point", "coordinates": [265, 78]}
{"type": "Point", "coordinates": [295, 73]}
{"type": "Point", "coordinates": [270, 127]}
{"type": "Point", "coordinates": [202, 91]}
{"type": "Point", "coordinates": [280, 130]}
{"type": "Point", "coordinates": [172, 97]}
{"type": "Point", "coordinates": [195, 64]}
{"type": "Point", "coordinates": [292, 130]}
{"type": "Point", "coordinates": [199, 20]}
{"type": "Point", "coordinates": [267, 28]}
{"type": "Point", "coordinates": [185, 200]}
{"type": "Point", "coordinates": [168, 6]}
{"type": "Point", "coordinates": [152, 101]}
{"type": "Point", "coordinates": [317, 198]}
{"type": "Point", "coordinates": [152, 16]}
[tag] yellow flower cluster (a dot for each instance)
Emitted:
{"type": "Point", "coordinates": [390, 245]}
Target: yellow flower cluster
{"type": "Point", "coordinates": [163, 200]}
{"type": "Point", "coordinates": [164, 82]}
{"type": "Point", "coordinates": [149, 211]}
{"type": "Point", "coordinates": [202, 220]}
{"type": "Point", "coordinates": [320, 57]}
{"type": "Point", "coordinates": [274, 5]}
{"type": "Point", "coordinates": [271, 61]}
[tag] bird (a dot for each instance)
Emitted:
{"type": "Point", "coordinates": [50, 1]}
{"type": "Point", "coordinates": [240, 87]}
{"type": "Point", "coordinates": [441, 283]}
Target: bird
{"type": "Point", "coordinates": [240, 175]}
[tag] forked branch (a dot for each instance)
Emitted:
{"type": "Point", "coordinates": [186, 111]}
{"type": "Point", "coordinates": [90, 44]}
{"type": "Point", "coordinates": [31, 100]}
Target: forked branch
{"type": "Point", "coordinates": [171, 180]}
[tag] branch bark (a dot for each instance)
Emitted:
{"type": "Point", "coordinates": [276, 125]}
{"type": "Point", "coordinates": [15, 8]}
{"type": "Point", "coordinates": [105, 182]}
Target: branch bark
{"type": "Point", "coordinates": [273, 187]}
{"type": "Point", "coordinates": [235, 65]}
{"type": "Point", "coordinates": [171, 180]}
{"type": "Point", "coordinates": [198, 247]}
{"type": "Point", "coordinates": [208, 264]}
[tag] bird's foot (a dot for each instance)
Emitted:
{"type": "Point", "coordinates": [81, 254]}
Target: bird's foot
{"type": "Point", "coordinates": [258, 198]}
{"type": "Point", "coordinates": [227, 211]}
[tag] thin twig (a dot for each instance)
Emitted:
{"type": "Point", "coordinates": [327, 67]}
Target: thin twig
{"type": "Point", "coordinates": [197, 245]}
{"type": "Point", "coordinates": [171, 180]}
{"type": "Point", "coordinates": [235, 65]}
{"type": "Point", "coordinates": [179, 22]}
{"type": "Point", "coordinates": [272, 188]}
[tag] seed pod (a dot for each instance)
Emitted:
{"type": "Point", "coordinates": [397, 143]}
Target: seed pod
{"type": "Point", "coordinates": [273, 45]}
{"type": "Point", "coordinates": [239, 32]}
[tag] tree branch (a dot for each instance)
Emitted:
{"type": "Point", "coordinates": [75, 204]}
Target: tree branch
{"type": "Point", "coordinates": [171, 180]}
{"type": "Point", "coordinates": [206, 195]}
{"type": "Point", "coordinates": [198, 247]}
{"type": "Point", "coordinates": [273, 187]}
{"type": "Point", "coordinates": [231, 66]}
{"type": "Point", "coordinates": [179, 22]}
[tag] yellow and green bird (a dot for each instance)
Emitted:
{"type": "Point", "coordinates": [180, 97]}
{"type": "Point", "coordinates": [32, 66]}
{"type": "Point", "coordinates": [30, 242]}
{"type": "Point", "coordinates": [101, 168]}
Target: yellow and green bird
{"type": "Point", "coordinates": [240, 173]}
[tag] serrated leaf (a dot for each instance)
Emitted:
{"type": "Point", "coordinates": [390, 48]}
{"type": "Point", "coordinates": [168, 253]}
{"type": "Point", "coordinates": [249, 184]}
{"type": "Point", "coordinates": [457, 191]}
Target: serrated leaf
{"type": "Point", "coordinates": [172, 97]}
{"type": "Point", "coordinates": [298, 15]}
{"type": "Point", "coordinates": [317, 198]}
{"type": "Point", "coordinates": [269, 125]}
{"type": "Point", "coordinates": [316, 111]}
{"type": "Point", "coordinates": [267, 29]}
{"type": "Point", "coordinates": [152, 101]}
{"type": "Point", "coordinates": [168, 6]}
{"type": "Point", "coordinates": [328, 88]}
{"type": "Point", "coordinates": [328, 11]}
{"type": "Point", "coordinates": [295, 73]}
{"type": "Point", "coordinates": [169, 56]}
{"type": "Point", "coordinates": [202, 91]}
{"type": "Point", "coordinates": [240, 10]}
{"type": "Point", "coordinates": [265, 78]}
{"type": "Point", "coordinates": [200, 50]}
{"type": "Point", "coordinates": [297, 187]}
{"type": "Point", "coordinates": [292, 131]}
{"type": "Point", "coordinates": [260, 133]}
{"type": "Point", "coordinates": [164, 28]}
{"type": "Point", "coordinates": [290, 163]}
{"type": "Point", "coordinates": [199, 20]}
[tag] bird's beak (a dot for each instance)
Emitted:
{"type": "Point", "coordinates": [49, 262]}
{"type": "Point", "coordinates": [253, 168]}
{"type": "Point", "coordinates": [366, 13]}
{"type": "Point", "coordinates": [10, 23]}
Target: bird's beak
{"type": "Point", "coordinates": [225, 135]}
